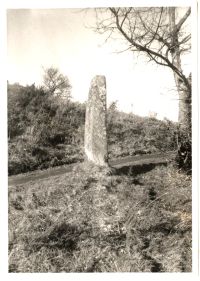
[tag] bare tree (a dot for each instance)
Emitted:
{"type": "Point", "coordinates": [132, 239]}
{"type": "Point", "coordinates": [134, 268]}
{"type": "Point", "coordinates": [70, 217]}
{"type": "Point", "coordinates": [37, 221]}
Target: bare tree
{"type": "Point", "coordinates": [56, 83]}
{"type": "Point", "coordinates": [159, 33]}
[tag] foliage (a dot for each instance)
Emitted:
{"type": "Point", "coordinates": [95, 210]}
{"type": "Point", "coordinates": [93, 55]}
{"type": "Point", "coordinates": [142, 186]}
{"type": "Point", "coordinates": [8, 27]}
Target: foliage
{"type": "Point", "coordinates": [44, 130]}
{"type": "Point", "coordinates": [25, 157]}
{"type": "Point", "coordinates": [130, 134]}
{"type": "Point", "coordinates": [56, 83]}
{"type": "Point", "coordinates": [184, 151]}
{"type": "Point", "coordinates": [91, 220]}
{"type": "Point", "coordinates": [20, 99]}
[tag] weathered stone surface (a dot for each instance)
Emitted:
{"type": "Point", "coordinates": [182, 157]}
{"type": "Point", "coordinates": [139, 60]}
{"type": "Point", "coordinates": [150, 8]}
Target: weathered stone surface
{"type": "Point", "coordinates": [95, 124]}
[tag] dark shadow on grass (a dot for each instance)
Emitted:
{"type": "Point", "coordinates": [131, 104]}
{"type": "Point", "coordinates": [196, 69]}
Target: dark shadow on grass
{"type": "Point", "coordinates": [13, 268]}
{"type": "Point", "coordinates": [61, 236]}
{"type": "Point", "coordinates": [137, 182]}
{"type": "Point", "coordinates": [156, 267]}
{"type": "Point", "coordinates": [134, 170]}
{"type": "Point", "coordinates": [152, 194]}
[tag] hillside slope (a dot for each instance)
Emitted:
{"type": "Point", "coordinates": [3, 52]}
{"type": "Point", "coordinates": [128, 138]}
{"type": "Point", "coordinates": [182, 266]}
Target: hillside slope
{"type": "Point", "coordinates": [95, 220]}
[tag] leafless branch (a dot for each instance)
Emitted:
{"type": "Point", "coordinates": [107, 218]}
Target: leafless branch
{"type": "Point", "coordinates": [182, 20]}
{"type": "Point", "coordinates": [158, 26]}
{"type": "Point", "coordinates": [164, 61]}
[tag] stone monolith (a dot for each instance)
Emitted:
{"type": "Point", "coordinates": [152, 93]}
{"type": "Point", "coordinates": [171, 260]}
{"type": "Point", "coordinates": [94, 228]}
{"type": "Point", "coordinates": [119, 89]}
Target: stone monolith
{"type": "Point", "coordinates": [95, 123]}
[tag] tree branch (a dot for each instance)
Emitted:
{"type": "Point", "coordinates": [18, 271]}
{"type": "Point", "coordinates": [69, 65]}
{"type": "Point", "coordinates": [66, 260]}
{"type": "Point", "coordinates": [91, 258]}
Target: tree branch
{"type": "Point", "coordinates": [150, 52]}
{"type": "Point", "coordinates": [125, 16]}
{"type": "Point", "coordinates": [156, 32]}
{"type": "Point", "coordinates": [182, 20]}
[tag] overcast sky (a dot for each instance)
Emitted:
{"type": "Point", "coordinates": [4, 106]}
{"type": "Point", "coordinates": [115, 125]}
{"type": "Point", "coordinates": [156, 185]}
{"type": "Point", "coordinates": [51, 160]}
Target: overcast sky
{"type": "Point", "coordinates": [61, 38]}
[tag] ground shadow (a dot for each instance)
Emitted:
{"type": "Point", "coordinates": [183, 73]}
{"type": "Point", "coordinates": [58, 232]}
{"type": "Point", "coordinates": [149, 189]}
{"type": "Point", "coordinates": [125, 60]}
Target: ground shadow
{"type": "Point", "coordinates": [133, 170]}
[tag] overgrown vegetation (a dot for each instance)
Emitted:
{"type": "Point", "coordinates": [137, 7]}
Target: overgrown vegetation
{"type": "Point", "coordinates": [47, 130]}
{"type": "Point", "coordinates": [184, 151]}
{"type": "Point", "coordinates": [95, 220]}
{"type": "Point", "coordinates": [129, 134]}
{"type": "Point", "coordinates": [44, 130]}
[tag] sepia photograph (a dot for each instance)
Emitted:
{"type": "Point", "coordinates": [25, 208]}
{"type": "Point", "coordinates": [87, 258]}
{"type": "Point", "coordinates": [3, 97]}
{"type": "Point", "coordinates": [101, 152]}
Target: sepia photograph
{"type": "Point", "coordinates": [99, 135]}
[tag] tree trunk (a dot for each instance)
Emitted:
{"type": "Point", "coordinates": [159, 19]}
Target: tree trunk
{"type": "Point", "coordinates": [184, 117]}
{"type": "Point", "coordinates": [183, 87]}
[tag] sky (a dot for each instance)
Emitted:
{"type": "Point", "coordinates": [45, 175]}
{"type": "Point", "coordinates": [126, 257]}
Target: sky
{"type": "Point", "coordinates": [62, 38]}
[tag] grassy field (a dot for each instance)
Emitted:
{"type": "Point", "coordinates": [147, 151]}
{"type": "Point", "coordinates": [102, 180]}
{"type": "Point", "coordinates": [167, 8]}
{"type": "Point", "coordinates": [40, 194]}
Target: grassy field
{"type": "Point", "coordinates": [97, 220]}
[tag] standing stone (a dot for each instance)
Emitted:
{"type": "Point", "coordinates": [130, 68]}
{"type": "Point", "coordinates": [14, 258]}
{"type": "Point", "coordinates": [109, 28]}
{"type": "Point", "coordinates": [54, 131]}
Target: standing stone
{"type": "Point", "coordinates": [95, 124]}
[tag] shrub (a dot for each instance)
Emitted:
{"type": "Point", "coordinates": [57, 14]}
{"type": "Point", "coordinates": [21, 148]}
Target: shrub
{"type": "Point", "coordinates": [184, 151]}
{"type": "Point", "coordinates": [133, 135]}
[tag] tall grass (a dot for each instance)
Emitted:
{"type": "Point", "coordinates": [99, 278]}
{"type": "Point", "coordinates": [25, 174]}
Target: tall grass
{"type": "Point", "coordinates": [95, 220]}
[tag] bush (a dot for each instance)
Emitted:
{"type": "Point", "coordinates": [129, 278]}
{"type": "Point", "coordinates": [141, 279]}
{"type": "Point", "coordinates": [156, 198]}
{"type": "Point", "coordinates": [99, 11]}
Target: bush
{"type": "Point", "coordinates": [184, 151]}
{"type": "Point", "coordinates": [44, 130]}
{"type": "Point", "coordinates": [133, 135]}
{"type": "Point", "coordinates": [25, 156]}
{"type": "Point", "coordinates": [20, 159]}
{"type": "Point", "coordinates": [52, 130]}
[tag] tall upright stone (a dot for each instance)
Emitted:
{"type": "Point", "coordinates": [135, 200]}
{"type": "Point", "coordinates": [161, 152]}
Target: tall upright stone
{"type": "Point", "coordinates": [96, 149]}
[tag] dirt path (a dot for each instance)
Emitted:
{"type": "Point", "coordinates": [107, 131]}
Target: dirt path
{"type": "Point", "coordinates": [140, 160]}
